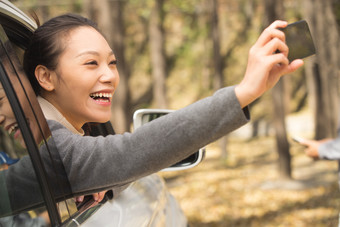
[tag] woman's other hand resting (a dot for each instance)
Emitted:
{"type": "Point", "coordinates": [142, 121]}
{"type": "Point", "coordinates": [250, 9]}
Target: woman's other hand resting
{"type": "Point", "coordinates": [97, 197]}
{"type": "Point", "coordinates": [265, 65]}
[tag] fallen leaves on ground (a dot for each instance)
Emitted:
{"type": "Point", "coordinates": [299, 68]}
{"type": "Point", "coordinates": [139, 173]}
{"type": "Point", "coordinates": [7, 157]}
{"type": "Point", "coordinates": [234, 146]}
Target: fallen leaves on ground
{"type": "Point", "coordinates": [244, 189]}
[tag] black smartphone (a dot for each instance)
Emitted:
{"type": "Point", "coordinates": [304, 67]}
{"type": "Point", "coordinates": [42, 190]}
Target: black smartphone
{"type": "Point", "coordinates": [299, 40]}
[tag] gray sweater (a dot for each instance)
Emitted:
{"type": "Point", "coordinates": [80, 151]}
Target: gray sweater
{"type": "Point", "coordinates": [92, 164]}
{"type": "Point", "coordinates": [331, 151]}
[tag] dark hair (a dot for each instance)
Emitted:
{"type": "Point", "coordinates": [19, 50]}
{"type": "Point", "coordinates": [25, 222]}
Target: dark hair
{"type": "Point", "coordinates": [46, 44]}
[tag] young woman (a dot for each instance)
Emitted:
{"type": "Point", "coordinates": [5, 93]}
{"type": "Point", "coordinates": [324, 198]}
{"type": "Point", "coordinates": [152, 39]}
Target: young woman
{"type": "Point", "coordinates": [74, 71]}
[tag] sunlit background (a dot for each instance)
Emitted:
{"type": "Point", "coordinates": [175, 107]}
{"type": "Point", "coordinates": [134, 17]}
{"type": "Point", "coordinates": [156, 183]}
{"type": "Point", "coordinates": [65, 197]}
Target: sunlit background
{"type": "Point", "coordinates": [174, 52]}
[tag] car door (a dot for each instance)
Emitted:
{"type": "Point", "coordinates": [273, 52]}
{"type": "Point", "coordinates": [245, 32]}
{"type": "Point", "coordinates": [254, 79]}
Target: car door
{"type": "Point", "coordinates": [34, 182]}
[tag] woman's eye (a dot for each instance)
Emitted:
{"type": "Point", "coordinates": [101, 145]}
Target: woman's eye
{"type": "Point", "coordinates": [114, 62]}
{"type": "Point", "coordinates": [91, 63]}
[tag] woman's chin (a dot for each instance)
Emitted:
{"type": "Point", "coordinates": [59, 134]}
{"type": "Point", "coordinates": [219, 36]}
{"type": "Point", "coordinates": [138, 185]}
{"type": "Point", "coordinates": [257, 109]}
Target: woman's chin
{"type": "Point", "coordinates": [102, 119]}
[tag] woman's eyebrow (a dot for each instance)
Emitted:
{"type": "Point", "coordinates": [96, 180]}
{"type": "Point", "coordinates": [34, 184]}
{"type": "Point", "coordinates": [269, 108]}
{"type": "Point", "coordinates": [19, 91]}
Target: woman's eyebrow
{"type": "Point", "coordinates": [91, 52]}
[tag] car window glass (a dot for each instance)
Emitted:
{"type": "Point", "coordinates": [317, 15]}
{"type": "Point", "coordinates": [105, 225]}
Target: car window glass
{"type": "Point", "coordinates": [10, 59]}
{"type": "Point", "coordinates": [13, 160]}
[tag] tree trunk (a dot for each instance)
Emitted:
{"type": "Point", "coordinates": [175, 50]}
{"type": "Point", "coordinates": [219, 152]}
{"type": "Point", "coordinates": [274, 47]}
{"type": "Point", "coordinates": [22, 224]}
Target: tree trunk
{"type": "Point", "coordinates": [217, 58]}
{"type": "Point", "coordinates": [158, 57]}
{"type": "Point", "coordinates": [323, 69]}
{"type": "Point", "coordinates": [218, 78]}
{"type": "Point", "coordinates": [282, 144]}
{"type": "Point", "coordinates": [274, 11]}
{"type": "Point", "coordinates": [122, 113]}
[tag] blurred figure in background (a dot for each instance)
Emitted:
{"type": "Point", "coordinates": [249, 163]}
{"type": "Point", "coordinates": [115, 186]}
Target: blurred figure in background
{"type": "Point", "coordinates": [327, 149]}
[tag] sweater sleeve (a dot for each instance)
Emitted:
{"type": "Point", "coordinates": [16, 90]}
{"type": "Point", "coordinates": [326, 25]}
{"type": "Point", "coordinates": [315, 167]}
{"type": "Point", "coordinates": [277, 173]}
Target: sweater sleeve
{"type": "Point", "coordinates": [97, 163]}
{"type": "Point", "coordinates": [330, 150]}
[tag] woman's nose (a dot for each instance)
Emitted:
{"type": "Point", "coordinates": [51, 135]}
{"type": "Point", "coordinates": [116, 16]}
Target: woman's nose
{"type": "Point", "coordinates": [109, 76]}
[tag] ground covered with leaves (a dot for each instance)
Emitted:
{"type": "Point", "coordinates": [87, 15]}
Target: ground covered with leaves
{"type": "Point", "coordinates": [243, 189]}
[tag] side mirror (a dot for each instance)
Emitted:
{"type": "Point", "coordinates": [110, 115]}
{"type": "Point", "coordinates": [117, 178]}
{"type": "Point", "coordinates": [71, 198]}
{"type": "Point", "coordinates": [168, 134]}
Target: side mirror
{"type": "Point", "coordinates": [142, 116]}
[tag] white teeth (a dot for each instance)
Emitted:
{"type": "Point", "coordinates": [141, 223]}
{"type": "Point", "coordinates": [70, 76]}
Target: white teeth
{"type": "Point", "coordinates": [100, 95]}
{"type": "Point", "coordinates": [12, 128]}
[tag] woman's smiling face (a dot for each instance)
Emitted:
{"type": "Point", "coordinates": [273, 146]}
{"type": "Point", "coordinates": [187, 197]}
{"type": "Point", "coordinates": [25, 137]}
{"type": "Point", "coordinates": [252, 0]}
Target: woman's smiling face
{"type": "Point", "coordinates": [85, 79]}
{"type": "Point", "coordinates": [7, 118]}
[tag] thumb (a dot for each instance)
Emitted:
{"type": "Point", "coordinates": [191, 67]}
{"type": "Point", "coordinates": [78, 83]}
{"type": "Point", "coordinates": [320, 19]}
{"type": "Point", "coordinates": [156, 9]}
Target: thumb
{"type": "Point", "coordinates": [294, 65]}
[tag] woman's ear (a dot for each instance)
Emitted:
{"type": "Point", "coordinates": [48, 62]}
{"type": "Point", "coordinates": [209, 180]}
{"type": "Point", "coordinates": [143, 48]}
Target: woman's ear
{"type": "Point", "coordinates": [44, 77]}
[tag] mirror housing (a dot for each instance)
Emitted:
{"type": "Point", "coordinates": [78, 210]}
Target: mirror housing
{"type": "Point", "coordinates": [142, 116]}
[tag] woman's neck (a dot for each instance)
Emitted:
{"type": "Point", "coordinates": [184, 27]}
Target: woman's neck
{"type": "Point", "coordinates": [52, 112]}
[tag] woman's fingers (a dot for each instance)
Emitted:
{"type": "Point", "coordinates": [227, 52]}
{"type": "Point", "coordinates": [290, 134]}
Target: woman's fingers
{"type": "Point", "coordinates": [282, 69]}
{"type": "Point", "coordinates": [306, 142]}
{"type": "Point", "coordinates": [278, 24]}
{"type": "Point", "coordinates": [271, 32]}
{"type": "Point", "coordinates": [312, 147]}
{"type": "Point", "coordinates": [267, 62]}
{"type": "Point", "coordinates": [294, 65]}
{"type": "Point", "coordinates": [276, 46]}
{"type": "Point", "coordinates": [80, 198]}
{"type": "Point", "coordinates": [99, 196]}
{"type": "Point", "coordinates": [273, 45]}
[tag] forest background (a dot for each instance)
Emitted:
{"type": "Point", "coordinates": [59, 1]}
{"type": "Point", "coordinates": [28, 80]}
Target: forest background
{"type": "Point", "coordinates": [173, 52]}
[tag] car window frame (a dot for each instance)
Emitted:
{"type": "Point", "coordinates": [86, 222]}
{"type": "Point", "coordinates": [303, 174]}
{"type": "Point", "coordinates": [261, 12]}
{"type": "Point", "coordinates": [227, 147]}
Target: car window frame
{"type": "Point", "coordinates": [7, 80]}
{"type": "Point", "coordinates": [18, 25]}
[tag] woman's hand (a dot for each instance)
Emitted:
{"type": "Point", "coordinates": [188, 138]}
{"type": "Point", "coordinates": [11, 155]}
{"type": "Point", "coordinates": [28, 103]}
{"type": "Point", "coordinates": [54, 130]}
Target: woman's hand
{"type": "Point", "coordinates": [266, 65]}
{"type": "Point", "coordinates": [97, 197]}
{"type": "Point", "coordinates": [312, 147]}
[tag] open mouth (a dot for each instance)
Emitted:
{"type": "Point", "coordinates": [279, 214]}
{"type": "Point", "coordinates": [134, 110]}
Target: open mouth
{"type": "Point", "coordinates": [102, 97]}
{"type": "Point", "coordinates": [13, 129]}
